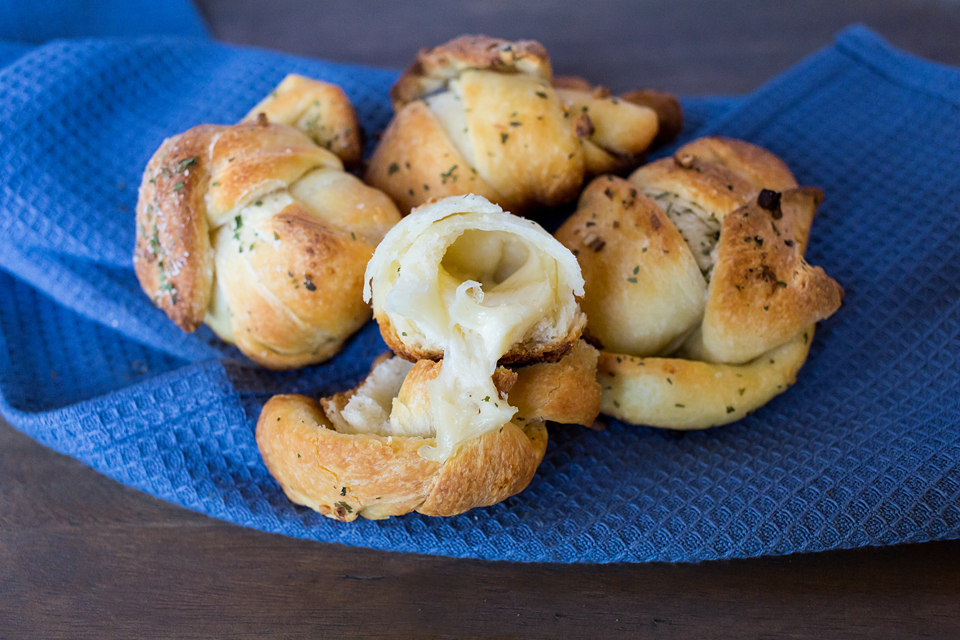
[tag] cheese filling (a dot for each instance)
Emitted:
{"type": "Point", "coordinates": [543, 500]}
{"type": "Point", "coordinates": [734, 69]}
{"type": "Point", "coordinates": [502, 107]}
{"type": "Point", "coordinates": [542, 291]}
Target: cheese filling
{"type": "Point", "coordinates": [462, 276]}
{"type": "Point", "coordinates": [489, 289]}
{"type": "Point", "coordinates": [699, 228]}
{"type": "Point", "coordinates": [448, 107]}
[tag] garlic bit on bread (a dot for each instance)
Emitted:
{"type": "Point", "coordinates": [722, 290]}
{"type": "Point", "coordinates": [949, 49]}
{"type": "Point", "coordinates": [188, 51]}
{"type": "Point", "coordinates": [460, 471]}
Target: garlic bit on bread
{"type": "Point", "coordinates": [257, 230]}
{"type": "Point", "coordinates": [696, 287]}
{"type": "Point", "coordinates": [481, 307]}
{"type": "Point", "coordinates": [482, 115]}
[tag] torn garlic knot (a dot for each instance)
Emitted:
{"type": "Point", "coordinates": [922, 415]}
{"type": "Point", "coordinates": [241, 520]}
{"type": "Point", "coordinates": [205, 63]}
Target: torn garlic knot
{"type": "Point", "coordinates": [462, 281]}
{"type": "Point", "coordinates": [459, 289]}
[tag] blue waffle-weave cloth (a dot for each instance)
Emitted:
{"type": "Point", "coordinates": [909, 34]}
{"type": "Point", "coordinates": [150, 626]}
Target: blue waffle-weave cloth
{"type": "Point", "coordinates": [863, 450]}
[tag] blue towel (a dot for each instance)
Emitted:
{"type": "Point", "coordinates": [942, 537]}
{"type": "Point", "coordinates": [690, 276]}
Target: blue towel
{"type": "Point", "coordinates": [863, 450]}
{"type": "Point", "coordinates": [36, 21]}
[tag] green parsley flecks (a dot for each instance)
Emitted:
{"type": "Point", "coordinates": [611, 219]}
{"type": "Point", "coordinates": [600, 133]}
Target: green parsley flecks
{"type": "Point", "coordinates": [449, 175]}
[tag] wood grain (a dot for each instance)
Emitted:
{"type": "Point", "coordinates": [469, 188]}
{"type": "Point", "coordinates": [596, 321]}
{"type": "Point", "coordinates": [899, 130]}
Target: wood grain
{"type": "Point", "coordinates": [84, 557]}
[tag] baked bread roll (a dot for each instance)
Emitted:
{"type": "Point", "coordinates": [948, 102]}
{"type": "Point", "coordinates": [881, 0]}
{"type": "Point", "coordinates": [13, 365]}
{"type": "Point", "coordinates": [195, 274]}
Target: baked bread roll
{"type": "Point", "coordinates": [696, 285]}
{"type": "Point", "coordinates": [616, 135]}
{"type": "Point", "coordinates": [479, 115]}
{"type": "Point", "coordinates": [319, 109]}
{"type": "Point", "coordinates": [458, 286]}
{"type": "Point", "coordinates": [462, 261]}
{"type": "Point", "coordinates": [258, 231]}
{"type": "Point", "coordinates": [460, 279]}
{"type": "Point", "coordinates": [360, 453]}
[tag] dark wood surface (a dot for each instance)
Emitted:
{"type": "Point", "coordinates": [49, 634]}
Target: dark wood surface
{"type": "Point", "coordinates": [84, 557]}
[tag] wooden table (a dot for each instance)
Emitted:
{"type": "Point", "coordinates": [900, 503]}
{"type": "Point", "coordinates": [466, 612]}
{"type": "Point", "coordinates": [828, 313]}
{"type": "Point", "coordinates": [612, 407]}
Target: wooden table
{"type": "Point", "coordinates": [82, 556]}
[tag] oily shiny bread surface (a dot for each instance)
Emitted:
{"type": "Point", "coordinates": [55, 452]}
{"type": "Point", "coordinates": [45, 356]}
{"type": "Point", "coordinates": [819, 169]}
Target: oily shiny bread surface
{"type": "Point", "coordinates": [763, 292]}
{"type": "Point", "coordinates": [433, 68]}
{"type": "Point", "coordinates": [319, 109]}
{"type": "Point", "coordinates": [419, 161]}
{"type": "Point", "coordinates": [676, 393]}
{"type": "Point", "coordinates": [644, 290]}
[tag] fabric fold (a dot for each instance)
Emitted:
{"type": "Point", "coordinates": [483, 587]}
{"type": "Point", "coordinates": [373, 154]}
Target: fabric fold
{"type": "Point", "coordinates": [863, 450]}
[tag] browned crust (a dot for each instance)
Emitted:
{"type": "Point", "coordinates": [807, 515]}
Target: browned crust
{"type": "Point", "coordinates": [763, 292]}
{"type": "Point", "coordinates": [520, 354]}
{"type": "Point", "coordinates": [249, 160]}
{"type": "Point", "coordinates": [434, 68]}
{"type": "Point", "coordinates": [634, 263]}
{"type": "Point", "coordinates": [757, 165]}
{"type": "Point", "coordinates": [666, 106]}
{"type": "Point", "coordinates": [598, 161]}
{"type": "Point", "coordinates": [716, 188]}
{"type": "Point", "coordinates": [329, 258]}
{"type": "Point", "coordinates": [763, 298]}
{"type": "Point", "coordinates": [523, 140]}
{"type": "Point", "coordinates": [416, 161]}
{"type": "Point", "coordinates": [672, 393]}
{"type": "Point", "coordinates": [487, 469]}
{"type": "Point", "coordinates": [669, 112]}
{"type": "Point", "coordinates": [172, 257]}
{"type": "Point", "coordinates": [565, 391]}
{"type": "Point", "coordinates": [311, 261]}
{"type": "Point", "coordinates": [574, 83]}
{"type": "Point", "coordinates": [319, 109]}
{"type": "Point", "coordinates": [337, 474]}
{"type": "Point", "coordinates": [718, 174]}
{"type": "Point", "coordinates": [346, 475]}
{"type": "Point", "coordinates": [315, 271]}
{"type": "Point", "coordinates": [615, 134]}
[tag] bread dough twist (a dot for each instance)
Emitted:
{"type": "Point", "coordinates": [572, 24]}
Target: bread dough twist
{"type": "Point", "coordinates": [342, 457]}
{"type": "Point", "coordinates": [258, 231]}
{"type": "Point", "coordinates": [696, 285]}
{"type": "Point", "coordinates": [480, 115]}
{"type": "Point", "coordinates": [458, 286]}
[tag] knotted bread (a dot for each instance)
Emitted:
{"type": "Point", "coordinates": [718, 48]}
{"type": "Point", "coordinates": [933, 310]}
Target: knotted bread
{"type": "Point", "coordinates": [480, 115]}
{"type": "Point", "coordinates": [458, 287]}
{"type": "Point", "coordinates": [696, 286]}
{"type": "Point", "coordinates": [257, 230]}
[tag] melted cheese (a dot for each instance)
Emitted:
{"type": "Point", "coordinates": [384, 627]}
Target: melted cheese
{"type": "Point", "coordinates": [479, 283]}
{"type": "Point", "coordinates": [448, 107]}
{"type": "Point", "coordinates": [481, 318]}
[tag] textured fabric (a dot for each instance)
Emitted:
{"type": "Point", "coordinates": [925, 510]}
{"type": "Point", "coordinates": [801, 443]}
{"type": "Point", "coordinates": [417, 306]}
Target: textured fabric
{"type": "Point", "coordinates": [36, 21]}
{"type": "Point", "coordinates": [863, 450]}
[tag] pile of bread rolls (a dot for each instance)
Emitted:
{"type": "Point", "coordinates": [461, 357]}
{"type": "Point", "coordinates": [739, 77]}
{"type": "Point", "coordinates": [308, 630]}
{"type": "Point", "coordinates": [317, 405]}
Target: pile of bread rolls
{"type": "Point", "coordinates": [677, 297]}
